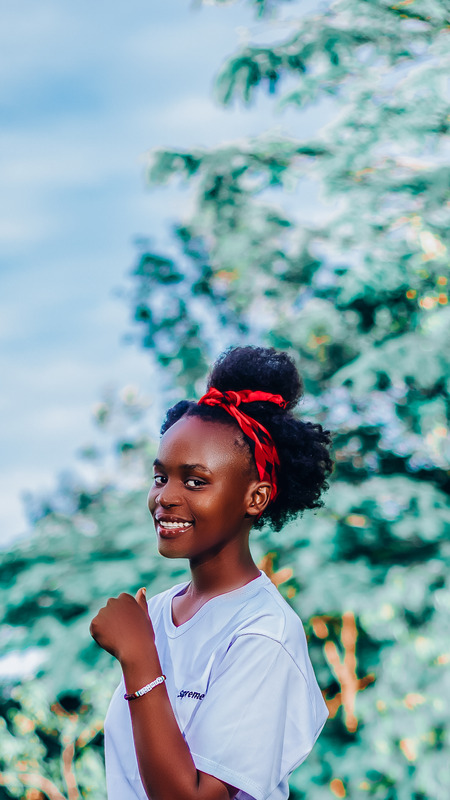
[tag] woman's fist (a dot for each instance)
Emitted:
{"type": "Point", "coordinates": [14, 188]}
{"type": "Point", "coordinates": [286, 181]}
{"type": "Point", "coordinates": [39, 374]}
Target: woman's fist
{"type": "Point", "coordinates": [123, 627]}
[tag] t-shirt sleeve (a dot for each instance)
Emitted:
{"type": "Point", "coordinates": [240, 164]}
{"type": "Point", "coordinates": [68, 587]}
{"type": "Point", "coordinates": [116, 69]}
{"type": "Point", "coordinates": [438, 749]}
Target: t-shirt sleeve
{"type": "Point", "coordinates": [258, 719]}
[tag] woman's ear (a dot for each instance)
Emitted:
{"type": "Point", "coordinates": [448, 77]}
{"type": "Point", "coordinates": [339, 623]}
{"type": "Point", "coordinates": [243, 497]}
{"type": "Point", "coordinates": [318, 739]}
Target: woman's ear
{"type": "Point", "coordinates": [259, 500]}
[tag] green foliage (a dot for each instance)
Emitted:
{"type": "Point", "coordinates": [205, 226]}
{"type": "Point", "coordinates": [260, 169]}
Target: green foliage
{"type": "Point", "coordinates": [100, 544]}
{"type": "Point", "coordinates": [89, 543]}
{"type": "Point", "coordinates": [346, 41]}
{"type": "Point", "coordinates": [55, 749]}
{"type": "Point", "coordinates": [359, 296]}
{"type": "Point", "coordinates": [383, 158]}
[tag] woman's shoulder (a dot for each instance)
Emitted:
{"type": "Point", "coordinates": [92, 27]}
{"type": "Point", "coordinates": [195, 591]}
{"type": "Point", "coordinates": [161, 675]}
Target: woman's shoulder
{"type": "Point", "coordinates": [268, 614]}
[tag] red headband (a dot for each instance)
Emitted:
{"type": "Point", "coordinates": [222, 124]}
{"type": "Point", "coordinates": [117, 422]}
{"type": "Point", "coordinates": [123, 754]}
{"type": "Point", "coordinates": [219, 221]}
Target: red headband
{"type": "Point", "coordinates": [263, 446]}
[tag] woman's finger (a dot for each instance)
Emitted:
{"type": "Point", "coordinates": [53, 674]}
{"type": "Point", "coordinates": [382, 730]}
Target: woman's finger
{"type": "Point", "coordinates": [141, 599]}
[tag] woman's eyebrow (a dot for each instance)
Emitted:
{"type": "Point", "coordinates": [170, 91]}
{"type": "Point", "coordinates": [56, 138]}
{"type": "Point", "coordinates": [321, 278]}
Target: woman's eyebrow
{"type": "Point", "coordinates": [187, 467]}
{"type": "Point", "coordinates": [195, 466]}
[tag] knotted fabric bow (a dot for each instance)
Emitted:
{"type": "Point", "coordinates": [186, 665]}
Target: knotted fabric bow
{"type": "Point", "coordinates": [263, 447]}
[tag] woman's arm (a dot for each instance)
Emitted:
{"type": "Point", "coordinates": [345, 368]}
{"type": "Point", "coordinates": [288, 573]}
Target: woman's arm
{"type": "Point", "coordinates": [165, 763]}
{"type": "Point", "coordinates": [167, 770]}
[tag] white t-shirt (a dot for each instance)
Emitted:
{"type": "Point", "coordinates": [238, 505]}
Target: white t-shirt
{"type": "Point", "coordinates": [242, 688]}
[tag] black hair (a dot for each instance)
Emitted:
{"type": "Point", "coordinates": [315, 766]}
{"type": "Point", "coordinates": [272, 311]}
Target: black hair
{"type": "Point", "coordinates": [302, 447]}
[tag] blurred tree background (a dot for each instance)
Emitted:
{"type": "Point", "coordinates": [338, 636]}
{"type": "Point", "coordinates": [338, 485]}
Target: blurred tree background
{"type": "Point", "coordinates": [359, 296]}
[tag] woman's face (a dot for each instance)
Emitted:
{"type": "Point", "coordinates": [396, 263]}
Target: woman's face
{"type": "Point", "coordinates": [203, 484]}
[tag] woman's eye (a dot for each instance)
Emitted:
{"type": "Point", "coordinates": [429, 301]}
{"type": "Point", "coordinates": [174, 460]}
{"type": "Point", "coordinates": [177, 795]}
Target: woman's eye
{"type": "Point", "coordinates": [194, 483]}
{"type": "Point", "coordinates": [159, 479]}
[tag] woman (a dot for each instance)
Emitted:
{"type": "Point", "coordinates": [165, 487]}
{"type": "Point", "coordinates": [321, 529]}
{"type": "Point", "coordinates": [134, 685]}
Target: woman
{"type": "Point", "coordinates": [218, 698]}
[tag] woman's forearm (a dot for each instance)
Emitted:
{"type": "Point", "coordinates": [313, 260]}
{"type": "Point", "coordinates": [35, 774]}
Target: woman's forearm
{"type": "Point", "coordinates": [165, 763]}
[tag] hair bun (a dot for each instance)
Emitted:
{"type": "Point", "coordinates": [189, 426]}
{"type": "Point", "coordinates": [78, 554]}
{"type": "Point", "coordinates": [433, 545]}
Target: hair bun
{"type": "Point", "coordinates": [257, 368]}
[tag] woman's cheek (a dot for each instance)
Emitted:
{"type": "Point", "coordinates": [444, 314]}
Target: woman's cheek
{"type": "Point", "coordinates": [151, 499]}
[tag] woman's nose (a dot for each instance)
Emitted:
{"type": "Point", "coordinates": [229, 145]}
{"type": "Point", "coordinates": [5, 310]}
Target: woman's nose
{"type": "Point", "coordinates": [168, 496]}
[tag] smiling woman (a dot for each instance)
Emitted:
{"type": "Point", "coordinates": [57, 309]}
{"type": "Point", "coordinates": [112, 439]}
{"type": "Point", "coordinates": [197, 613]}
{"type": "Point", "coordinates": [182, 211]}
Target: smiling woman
{"type": "Point", "coordinates": [227, 701]}
{"type": "Point", "coordinates": [198, 506]}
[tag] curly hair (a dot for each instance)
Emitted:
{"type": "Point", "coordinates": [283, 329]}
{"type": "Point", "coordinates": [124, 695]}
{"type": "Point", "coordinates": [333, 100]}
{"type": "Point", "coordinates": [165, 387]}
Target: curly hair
{"type": "Point", "coordinates": [302, 447]}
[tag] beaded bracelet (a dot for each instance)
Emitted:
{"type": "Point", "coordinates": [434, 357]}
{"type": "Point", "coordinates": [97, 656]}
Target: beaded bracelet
{"type": "Point", "coordinates": [145, 689]}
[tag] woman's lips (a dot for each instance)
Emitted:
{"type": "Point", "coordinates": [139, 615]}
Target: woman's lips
{"type": "Point", "coordinates": [172, 529]}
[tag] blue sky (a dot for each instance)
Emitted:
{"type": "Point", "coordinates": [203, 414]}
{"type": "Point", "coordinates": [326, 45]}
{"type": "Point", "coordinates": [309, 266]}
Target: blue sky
{"type": "Point", "coordinates": [88, 88]}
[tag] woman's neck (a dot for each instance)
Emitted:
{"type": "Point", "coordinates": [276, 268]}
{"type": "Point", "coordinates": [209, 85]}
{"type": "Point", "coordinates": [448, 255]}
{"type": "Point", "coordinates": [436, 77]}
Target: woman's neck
{"type": "Point", "coordinates": [222, 573]}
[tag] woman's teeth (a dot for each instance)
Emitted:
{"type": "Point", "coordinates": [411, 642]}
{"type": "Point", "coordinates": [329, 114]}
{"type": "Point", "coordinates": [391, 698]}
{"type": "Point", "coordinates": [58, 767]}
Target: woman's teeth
{"type": "Point", "coordinates": [174, 524]}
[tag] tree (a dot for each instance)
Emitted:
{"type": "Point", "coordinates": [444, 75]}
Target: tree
{"type": "Point", "coordinates": [91, 541]}
{"type": "Point", "coordinates": [360, 299]}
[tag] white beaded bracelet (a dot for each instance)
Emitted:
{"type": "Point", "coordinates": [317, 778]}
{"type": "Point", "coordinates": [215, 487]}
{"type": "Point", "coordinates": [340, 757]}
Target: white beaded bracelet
{"type": "Point", "coordinates": [145, 689]}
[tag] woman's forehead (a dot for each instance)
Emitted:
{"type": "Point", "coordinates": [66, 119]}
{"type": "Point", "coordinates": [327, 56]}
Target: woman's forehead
{"type": "Point", "coordinates": [194, 440]}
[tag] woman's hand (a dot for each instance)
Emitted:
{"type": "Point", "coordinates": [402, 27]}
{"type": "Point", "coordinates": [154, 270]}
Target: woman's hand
{"type": "Point", "coordinates": [123, 627]}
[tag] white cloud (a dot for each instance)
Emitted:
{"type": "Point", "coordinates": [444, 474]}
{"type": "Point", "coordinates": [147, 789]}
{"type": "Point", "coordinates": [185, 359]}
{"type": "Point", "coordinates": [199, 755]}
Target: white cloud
{"type": "Point", "coordinates": [21, 663]}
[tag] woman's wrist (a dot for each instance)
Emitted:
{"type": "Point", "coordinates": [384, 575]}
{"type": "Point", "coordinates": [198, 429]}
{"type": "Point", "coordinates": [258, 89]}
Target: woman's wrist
{"type": "Point", "coordinates": [140, 668]}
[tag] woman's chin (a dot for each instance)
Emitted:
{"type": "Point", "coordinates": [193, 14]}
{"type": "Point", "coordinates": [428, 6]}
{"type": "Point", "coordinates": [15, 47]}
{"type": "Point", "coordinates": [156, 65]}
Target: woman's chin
{"type": "Point", "coordinates": [170, 549]}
